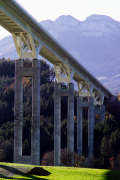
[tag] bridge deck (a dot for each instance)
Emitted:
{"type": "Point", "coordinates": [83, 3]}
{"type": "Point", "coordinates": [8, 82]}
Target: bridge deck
{"type": "Point", "coordinates": [15, 19]}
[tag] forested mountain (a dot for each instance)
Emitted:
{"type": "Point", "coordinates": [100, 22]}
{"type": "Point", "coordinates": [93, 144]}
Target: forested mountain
{"type": "Point", "coordinates": [95, 42]}
{"type": "Point", "coordinates": [107, 134]}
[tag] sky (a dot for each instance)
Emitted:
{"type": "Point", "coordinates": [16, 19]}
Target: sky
{"type": "Point", "coordinates": [79, 9]}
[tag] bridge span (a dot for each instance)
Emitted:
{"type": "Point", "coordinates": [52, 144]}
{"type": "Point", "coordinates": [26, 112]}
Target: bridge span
{"type": "Point", "coordinates": [31, 40]}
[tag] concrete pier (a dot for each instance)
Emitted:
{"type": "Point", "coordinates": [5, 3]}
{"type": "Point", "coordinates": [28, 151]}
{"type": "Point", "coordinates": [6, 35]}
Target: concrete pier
{"type": "Point", "coordinates": [70, 129]}
{"type": "Point", "coordinates": [58, 92]}
{"type": "Point", "coordinates": [57, 124]}
{"type": "Point", "coordinates": [70, 124]}
{"type": "Point", "coordinates": [20, 72]}
{"type": "Point", "coordinates": [18, 110]}
{"type": "Point", "coordinates": [35, 130]}
{"type": "Point", "coordinates": [79, 125]}
{"type": "Point", "coordinates": [91, 123]}
{"type": "Point", "coordinates": [102, 114]}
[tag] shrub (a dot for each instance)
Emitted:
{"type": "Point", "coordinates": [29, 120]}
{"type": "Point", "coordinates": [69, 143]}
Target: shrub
{"type": "Point", "coordinates": [48, 159]}
{"type": "Point", "coordinates": [79, 161]}
{"type": "Point", "coordinates": [117, 162]}
{"type": "Point", "coordinates": [99, 163]}
{"type": "Point", "coordinates": [90, 161]}
{"type": "Point", "coordinates": [111, 162]}
{"type": "Point", "coordinates": [67, 159]}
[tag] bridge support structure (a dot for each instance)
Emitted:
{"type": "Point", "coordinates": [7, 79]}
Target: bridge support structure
{"type": "Point", "coordinates": [91, 122]}
{"type": "Point", "coordinates": [30, 41]}
{"type": "Point", "coordinates": [94, 98]}
{"type": "Point", "coordinates": [20, 72]}
{"type": "Point", "coordinates": [58, 92]}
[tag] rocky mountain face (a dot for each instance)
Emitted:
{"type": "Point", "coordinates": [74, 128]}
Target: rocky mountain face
{"type": "Point", "coordinates": [95, 43]}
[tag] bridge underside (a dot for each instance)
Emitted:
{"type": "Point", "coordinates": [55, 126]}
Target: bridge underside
{"type": "Point", "coordinates": [30, 41]}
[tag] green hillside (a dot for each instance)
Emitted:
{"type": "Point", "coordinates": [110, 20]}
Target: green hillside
{"type": "Point", "coordinates": [19, 171]}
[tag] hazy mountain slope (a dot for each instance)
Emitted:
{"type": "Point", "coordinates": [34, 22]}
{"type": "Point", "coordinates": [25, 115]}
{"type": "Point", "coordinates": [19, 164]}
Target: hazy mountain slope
{"type": "Point", "coordinates": [95, 42]}
{"type": "Point", "coordinates": [7, 48]}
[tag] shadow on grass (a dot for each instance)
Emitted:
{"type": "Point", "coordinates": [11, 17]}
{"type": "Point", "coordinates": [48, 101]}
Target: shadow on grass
{"type": "Point", "coordinates": [112, 175]}
{"type": "Point", "coordinates": [16, 172]}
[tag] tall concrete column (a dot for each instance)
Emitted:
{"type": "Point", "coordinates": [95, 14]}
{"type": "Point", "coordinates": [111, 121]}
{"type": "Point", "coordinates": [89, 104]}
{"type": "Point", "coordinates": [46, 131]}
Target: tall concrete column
{"type": "Point", "coordinates": [35, 129]}
{"type": "Point", "coordinates": [79, 125]}
{"type": "Point", "coordinates": [70, 129]}
{"type": "Point", "coordinates": [57, 124]}
{"type": "Point", "coordinates": [18, 110]}
{"type": "Point", "coordinates": [91, 122]}
{"type": "Point", "coordinates": [102, 114]}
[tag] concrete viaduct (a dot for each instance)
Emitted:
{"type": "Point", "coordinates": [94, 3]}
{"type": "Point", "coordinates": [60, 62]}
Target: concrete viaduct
{"type": "Point", "coordinates": [30, 41]}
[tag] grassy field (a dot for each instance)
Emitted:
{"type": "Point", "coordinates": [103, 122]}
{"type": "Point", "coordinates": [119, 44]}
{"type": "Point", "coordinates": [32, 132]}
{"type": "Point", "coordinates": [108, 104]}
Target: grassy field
{"type": "Point", "coordinates": [17, 171]}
